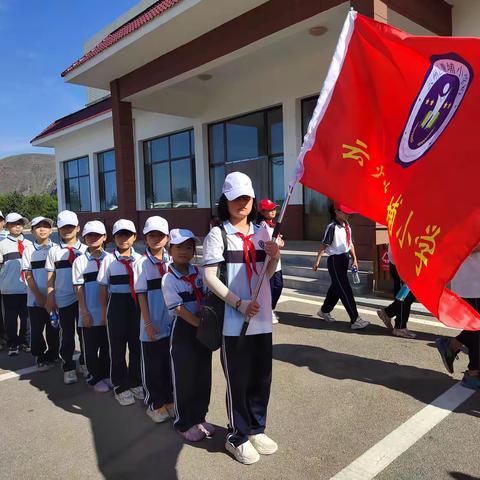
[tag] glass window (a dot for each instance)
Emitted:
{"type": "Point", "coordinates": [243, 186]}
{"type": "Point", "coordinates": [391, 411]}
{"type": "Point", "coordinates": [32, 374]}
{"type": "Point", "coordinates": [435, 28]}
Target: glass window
{"type": "Point", "coordinates": [170, 171]}
{"type": "Point", "coordinates": [107, 180]}
{"type": "Point", "coordinates": [254, 145]}
{"type": "Point", "coordinates": [77, 185]}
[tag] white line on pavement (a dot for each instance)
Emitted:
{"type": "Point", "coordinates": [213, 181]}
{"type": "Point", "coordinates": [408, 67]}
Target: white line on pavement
{"type": "Point", "coordinates": [287, 298]}
{"type": "Point", "coordinates": [17, 373]}
{"type": "Point", "coordinates": [377, 458]}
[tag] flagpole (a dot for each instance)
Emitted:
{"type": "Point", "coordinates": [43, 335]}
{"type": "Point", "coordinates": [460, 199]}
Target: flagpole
{"type": "Point", "coordinates": [263, 271]}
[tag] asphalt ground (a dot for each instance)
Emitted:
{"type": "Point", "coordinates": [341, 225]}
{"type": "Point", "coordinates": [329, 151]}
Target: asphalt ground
{"type": "Point", "coordinates": [337, 396]}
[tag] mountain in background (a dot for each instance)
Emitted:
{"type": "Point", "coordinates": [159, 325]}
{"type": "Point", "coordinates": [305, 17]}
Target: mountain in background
{"type": "Point", "coordinates": [28, 173]}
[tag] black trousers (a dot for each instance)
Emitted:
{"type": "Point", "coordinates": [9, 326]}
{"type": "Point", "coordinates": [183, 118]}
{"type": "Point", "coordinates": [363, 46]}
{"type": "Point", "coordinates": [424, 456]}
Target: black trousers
{"type": "Point", "coordinates": [97, 355]}
{"type": "Point", "coordinates": [40, 330]}
{"type": "Point", "coordinates": [3, 332]}
{"type": "Point", "coordinates": [191, 374]}
{"type": "Point", "coordinates": [248, 371]}
{"type": "Point", "coordinates": [340, 288]}
{"type": "Point", "coordinates": [123, 321]}
{"type": "Point", "coordinates": [472, 339]}
{"type": "Point", "coordinates": [15, 307]}
{"type": "Point", "coordinates": [397, 281]}
{"type": "Point", "coordinates": [156, 373]}
{"type": "Point", "coordinates": [68, 317]}
{"type": "Point", "coordinates": [401, 310]}
{"type": "Point", "coordinates": [276, 286]}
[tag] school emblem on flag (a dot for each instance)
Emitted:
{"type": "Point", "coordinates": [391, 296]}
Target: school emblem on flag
{"type": "Point", "coordinates": [442, 92]}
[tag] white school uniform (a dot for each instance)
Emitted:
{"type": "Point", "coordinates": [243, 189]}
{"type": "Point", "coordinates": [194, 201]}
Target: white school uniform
{"type": "Point", "coordinates": [113, 273]}
{"type": "Point", "coordinates": [237, 279]}
{"type": "Point", "coordinates": [335, 238]}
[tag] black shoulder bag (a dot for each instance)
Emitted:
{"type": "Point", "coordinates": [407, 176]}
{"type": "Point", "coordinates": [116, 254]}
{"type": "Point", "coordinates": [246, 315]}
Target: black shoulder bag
{"type": "Point", "coordinates": [210, 328]}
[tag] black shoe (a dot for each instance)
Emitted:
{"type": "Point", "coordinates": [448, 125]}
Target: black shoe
{"type": "Point", "coordinates": [13, 350]}
{"type": "Point", "coordinates": [448, 357]}
{"type": "Point", "coordinates": [25, 347]}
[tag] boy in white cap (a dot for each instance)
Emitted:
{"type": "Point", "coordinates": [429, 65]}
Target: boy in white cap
{"type": "Point", "coordinates": [12, 284]}
{"type": "Point", "coordinates": [155, 322]}
{"type": "Point", "coordinates": [61, 294]}
{"type": "Point", "coordinates": [3, 333]}
{"type": "Point", "coordinates": [118, 302]}
{"type": "Point", "coordinates": [93, 325]}
{"type": "Point", "coordinates": [44, 348]}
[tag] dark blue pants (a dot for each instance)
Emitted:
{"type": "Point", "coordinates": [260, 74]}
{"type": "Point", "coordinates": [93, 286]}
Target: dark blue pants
{"type": "Point", "coordinates": [15, 307]}
{"type": "Point", "coordinates": [156, 373]}
{"type": "Point", "coordinates": [248, 371]}
{"type": "Point", "coordinates": [471, 339]}
{"type": "Point", "coordinates": [276, 286]}
{"type": "Point", "coordinates": [401, 310]}
{"type": "Point", "coordinates": [68, 317]}
{"type": "Point", "coordinates": [123, 320]}
{"type": "Point", "coordinates": [97, 355]}
{"type": "Point", "coordinates": [40, 323]}
{"type": "Point", "coordinates": [191, 374]}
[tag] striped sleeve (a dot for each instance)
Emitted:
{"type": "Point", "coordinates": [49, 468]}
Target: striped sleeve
{"type": "Point", "coordinates": [140, 275]}
{"type": "Point", "coordinates": [329, 234]}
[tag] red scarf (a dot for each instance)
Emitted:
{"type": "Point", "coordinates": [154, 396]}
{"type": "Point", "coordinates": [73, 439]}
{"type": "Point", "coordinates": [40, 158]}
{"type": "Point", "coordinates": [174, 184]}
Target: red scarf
{"type": "Point", "coordinates": [71, 254]}
{"type": "Point", "coordinates": [21, 248]}
{"type": "Point", "coordinates": [270, 222]}
{"type": "Point", "coordinates": [250, 256]}
{"type": "Point", "coordinates": [191, 279]}
{"type": "Point", "coordinates": [159, 265]}
{"type": "Point", "coordinates": [128, 266]}
{"type": "Point", "coordinates": [349, 234]}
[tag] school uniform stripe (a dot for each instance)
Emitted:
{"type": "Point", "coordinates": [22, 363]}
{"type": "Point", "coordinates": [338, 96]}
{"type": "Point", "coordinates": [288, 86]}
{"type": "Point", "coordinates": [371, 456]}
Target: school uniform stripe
{"type": "Point", "coordinates": [119, 280]}
{"type": "Point", "coordinates": [35, 265]}
{"type": "Point", "coordinates": [154, 284]}
{"type": "Point", "coordinates": [11, 256]}
{"type": "Point", "coordinates": [237, 256]}
{"type": "Point", "coordinates": [90, 276]}
{"type": "Point", "coordinates": [62, 264]}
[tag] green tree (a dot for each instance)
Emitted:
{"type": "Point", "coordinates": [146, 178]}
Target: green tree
{"type": "Point", "coordinates": [29, 206]}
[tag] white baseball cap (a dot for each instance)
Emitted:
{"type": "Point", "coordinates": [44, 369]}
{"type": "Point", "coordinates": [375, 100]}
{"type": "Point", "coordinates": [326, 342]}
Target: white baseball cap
{"type": "Point", "coordinates": [155, 223]}
{"type": "Point", "coordinates": [66, 217]}
{"type": "Point", "coordinates": [94, 226]}
{"type": "Point", "coordinates": [123, 224]}
{"type": "Point", "coordinates": [38, 220]}
{"type": "Point", "coordinates": [15, 217]}
{"type": "Point", "coordinates": [180, 235]}
{"type": "Point", "coordinates": [237, 184]}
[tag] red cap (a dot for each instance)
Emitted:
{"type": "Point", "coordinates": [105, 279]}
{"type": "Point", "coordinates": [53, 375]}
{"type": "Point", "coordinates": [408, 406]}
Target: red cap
{"type": "Point", "coordinates": [267, 205]}
{"type": "Point", "coordinates": [342, 208]}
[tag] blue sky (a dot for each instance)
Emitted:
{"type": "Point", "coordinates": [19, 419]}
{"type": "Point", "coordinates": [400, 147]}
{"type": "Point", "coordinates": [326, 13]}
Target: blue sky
{"type": "Point", "coordinates": [38, 40]}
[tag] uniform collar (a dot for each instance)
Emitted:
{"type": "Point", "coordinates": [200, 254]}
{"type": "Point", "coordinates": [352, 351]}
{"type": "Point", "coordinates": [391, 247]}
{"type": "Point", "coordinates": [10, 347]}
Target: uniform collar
{"type": "Point", "coordinates": [76, 246]}
{"type": "Point", "coordinates": [154, 259]}
{"type": "Point", "coordinates": [43, 247]}
{"type": "Point", "coordinates": [16, 239]}
{"type": "Point", "coordinates": [191, 270]}
{"type": "Point", "coordinates": [121, 257]}
{"type": "Point", "coordinates": [91, 257]}
{"type": "Point", "coordinates": [231, 230]}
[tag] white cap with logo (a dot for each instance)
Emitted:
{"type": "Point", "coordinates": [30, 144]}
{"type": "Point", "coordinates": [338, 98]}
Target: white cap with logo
{"type": "Point", "coordinates": [15, 217]}
{"type": "Point", "coordinates": [38, 220]}
{"type": "Point", "coordinates": [66, 217]}
{"type": "Point", "coordinates": [94, 226]}
{"type": "Point", "coordinates": [155, 223]}
{"type": "Point", "coordinates": [180, 235]}
{"type": "Point", "coordinates": [237, 184]}
{"type": "Point", "coordinates": [123, 224]}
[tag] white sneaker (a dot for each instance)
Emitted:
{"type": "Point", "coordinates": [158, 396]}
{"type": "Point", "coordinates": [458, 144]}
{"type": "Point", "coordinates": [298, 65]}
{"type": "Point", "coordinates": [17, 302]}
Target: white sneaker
{"type": "Point", "coordinates": [326, 316]}
{"type": "Point", "coordinates": [101, 387]}
{"type": "Point", "coordinates": [244, 453]}
{"type": "Point", "coordinates": [263, 444]}
{"type": "Point", "coordinates": [125, 398]}
{"type": "Point", "coordinates": [359, 323]}
{"type": "Point", "coordinates": [108, 383]}
{"type": "Point", "coordinates": [138, 392]}
{"type": "Point", "coordinates": [159, 415]}
{"type": "Point", "coordinates": [403, 332]}
{"type": "Point", "coordinates": [274, 317]}
{"type": "Point", "coordinates": [387, 321]}
{"type": "Point", "coordinates": [82, 369]}
{"type": "Point", "coordinates": [70, 377]}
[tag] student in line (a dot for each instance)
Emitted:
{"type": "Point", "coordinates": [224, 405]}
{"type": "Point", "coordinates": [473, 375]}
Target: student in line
{"type": "Point", "coordinates": [466, 284]}
{"type": "Point", "coordinates": [44, 337]}
{"type": "Point", "coordinates": [61, 295]}
{"type": "Point", "coordinates": [191, 361]}
{"type": "Point", "coordinates": [12, 284]}
{"type": "Point", "coordinates": [118, 302]}
{"type": "Point", "coordinates": [247, 365]}
{"type": "Point", "coordinates": [3, 333]}
{"type": "Point", "coordinates": [155, 322]}
{"type": "Point", "coordinates": [337, 243]}
{"type": "Point", "coordinates": [93, 325]}
{"type": "Point", "coordinates": [267, 211]}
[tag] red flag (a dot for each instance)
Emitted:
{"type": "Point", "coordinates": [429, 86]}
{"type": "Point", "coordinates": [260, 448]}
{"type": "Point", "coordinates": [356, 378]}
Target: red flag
{"type": "Point", "coordinates": [394, 136]}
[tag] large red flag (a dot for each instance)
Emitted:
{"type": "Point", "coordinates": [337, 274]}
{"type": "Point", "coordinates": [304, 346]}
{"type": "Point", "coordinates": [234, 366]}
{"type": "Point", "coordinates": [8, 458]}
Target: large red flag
{"type": "Point", "coordinates": [394, 136]}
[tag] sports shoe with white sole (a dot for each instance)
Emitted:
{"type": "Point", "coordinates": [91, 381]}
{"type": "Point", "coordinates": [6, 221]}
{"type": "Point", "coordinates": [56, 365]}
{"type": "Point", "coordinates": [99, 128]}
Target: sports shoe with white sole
{"type": "Point", "coordinates": [244, 453]}
{"type": "Point", "coordinates": [125, 398]}
{"type": "Point", "coordinates": [43, 366]}
{"type": "Point", "coordinates": [159, 415]}
{"type": "Point", "coordinates": [108, 382]}
{"type": "Point", "coordinates": [326, 316]}
{"type": "Point", "coordinates": [70, 377]}
{"type": "Point", "coordinates": [138, 392]}
{"type": "Point", "coordinates": [171, 410]}
{"type": "Point", "coordinates": [387, 321]}
{"type": "Point", "coordinates": [403, 332]}
{"type": "Point", "coordinates": [83, 370]}
{"type": "Point", "coordinates": [263, 444]}
{"type": "Point", "coordinates": [101, 387]}
{"type": "Point", "coordinates": [359, 323]}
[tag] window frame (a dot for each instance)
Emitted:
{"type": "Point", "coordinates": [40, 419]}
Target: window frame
{"type": "Point", "coordinates": [101, 180]}
{"type": "Point", "coordinates": [67, 179]}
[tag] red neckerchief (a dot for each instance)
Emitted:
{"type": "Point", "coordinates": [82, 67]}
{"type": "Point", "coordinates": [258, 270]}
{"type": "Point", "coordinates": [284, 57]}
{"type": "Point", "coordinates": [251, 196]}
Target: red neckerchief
{"type": "Point", "coordinates": [349, 235]}
{"type": "Point", "coordinates": [21, 248]}
{"type": "Point", "coordinates": [191, 279]}
{"type": "Point", "coordinates": [250, 256]}
{"type": "Point", "coordinates": [128, 265]}
{"type": "Point", "coordinates": [159, 265]}
{"type": "Point", "coordinates": [71, 254]}
{"type": "Point", "coordinates": [97, 261]}
{"type": "Point", "coordinates": [270, 223]}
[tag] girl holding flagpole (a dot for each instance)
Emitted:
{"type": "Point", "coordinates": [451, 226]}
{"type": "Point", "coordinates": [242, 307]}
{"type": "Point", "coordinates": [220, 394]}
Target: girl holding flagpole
{"type": "Point", "coordinates": [247, 364]}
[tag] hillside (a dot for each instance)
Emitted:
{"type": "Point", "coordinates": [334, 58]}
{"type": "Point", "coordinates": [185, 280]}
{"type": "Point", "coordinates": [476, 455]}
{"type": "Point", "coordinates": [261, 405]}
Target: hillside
{"type": "Point", "coordinates": [29, 173]}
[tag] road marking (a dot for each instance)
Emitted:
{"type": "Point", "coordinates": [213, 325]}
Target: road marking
{"type": "Point", "coordinates": [377, 458]}
{"type": "Point", "coordinates": [420, 321]}
{"type": "Point", "coordinates": [17, 373]}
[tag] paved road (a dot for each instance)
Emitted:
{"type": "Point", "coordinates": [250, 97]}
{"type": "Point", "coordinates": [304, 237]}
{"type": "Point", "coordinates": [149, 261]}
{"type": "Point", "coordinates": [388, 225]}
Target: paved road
{"type": "Point", "coordinates": [336, 395]}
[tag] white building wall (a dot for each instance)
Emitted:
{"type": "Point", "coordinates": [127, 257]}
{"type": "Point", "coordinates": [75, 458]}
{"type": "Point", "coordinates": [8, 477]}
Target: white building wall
{"type": "Point", "coordinates": [466, 18]}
